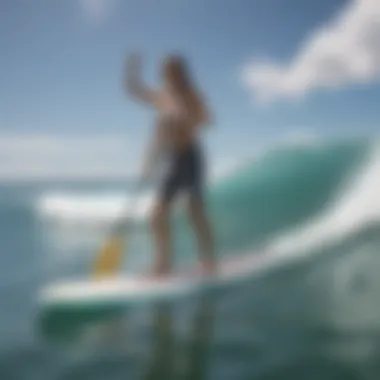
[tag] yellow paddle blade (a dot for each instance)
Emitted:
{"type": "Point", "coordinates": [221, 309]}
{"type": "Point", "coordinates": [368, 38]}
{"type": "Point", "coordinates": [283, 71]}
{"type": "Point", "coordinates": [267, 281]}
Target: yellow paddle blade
{"type": "Point", "coordinates": [110, 257]}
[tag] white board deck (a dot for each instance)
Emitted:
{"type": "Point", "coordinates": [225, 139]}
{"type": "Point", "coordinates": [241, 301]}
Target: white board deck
{"type": "Point", "coordinates": [127, 290]}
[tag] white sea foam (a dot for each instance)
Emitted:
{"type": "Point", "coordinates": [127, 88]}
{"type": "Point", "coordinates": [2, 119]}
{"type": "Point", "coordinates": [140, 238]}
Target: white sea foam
{"type": "Point", "coordinates": [356, 205]}
{"type": "Point", "coordinates": [70, 207]}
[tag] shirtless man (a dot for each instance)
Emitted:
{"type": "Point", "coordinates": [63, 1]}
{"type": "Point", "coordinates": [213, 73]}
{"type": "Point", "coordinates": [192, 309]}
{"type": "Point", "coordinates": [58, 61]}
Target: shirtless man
{"type": "Point", "coordinates": [181, 114]}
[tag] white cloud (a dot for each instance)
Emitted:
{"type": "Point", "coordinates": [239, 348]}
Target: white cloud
{"type": "Point", "coordinates": [43, 156]}
{"type": "Point", "coordinates": [343, 52]}
{"type": "Point", "coordinates": [96, 10]}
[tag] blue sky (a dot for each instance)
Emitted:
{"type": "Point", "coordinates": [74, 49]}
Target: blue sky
{"type": "Point", "coordinates": [268, 68]}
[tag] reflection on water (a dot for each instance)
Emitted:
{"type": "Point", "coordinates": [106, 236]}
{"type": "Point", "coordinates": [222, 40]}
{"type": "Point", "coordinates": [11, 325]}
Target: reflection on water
{"type": "Point", "coordinates": [189, 362]}
{"type": "Point", "coordinates": [147, 343]}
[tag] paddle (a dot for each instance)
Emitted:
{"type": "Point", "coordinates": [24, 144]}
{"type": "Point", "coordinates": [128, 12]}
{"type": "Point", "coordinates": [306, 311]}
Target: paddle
{"type": "Point", "coordinates": [110, 256]}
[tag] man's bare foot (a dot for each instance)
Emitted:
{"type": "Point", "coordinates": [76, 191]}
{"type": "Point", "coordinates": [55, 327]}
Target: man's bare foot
{"type": "Point", "coordinates": [158, 273]}
{"type": "Point", "coordinates": [206, 268]}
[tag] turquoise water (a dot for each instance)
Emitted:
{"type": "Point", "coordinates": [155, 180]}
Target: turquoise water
{"type": "Point", "coordinates": [313, 316]}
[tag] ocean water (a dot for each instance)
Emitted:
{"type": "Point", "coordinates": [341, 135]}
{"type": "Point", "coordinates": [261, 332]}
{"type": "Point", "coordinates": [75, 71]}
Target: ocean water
{"type": "Point", "coordinates": [313, 315]}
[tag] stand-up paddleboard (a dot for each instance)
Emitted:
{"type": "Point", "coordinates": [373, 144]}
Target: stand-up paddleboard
{"type": "Point", "coordinates": [127, 291]}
